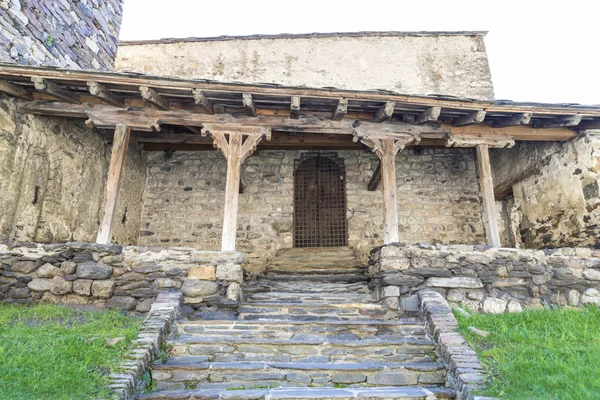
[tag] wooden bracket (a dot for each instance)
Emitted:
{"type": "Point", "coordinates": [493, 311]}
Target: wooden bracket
{"type": "Point", "coordinates": [295, 107]}
{"type": "Point", "coordinates": [15, 90]}
{"type": "Point", "coordinates": [44, 85]}
{"type": "Point", "coordinates": [102, 92]}
{"type": "Point", "coordinates": [154, 99]}
{"type": "Point", "coordinates": [340, 110]}
{"type": "Point", "coordinates": [202, 102]}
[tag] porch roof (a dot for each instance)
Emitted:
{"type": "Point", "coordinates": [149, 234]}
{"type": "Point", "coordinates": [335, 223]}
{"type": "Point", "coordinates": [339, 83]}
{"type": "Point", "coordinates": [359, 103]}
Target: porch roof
{"type": "Point", "coordinates": [167, 112]}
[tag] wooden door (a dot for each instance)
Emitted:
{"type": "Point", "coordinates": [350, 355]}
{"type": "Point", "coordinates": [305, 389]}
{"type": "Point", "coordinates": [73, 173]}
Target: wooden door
{"type": "Point", "coordinates": [320, 201]}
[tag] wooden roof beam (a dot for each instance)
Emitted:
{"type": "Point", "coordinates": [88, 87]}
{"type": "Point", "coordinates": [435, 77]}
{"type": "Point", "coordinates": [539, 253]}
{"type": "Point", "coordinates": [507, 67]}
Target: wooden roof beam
{"type": "Point", "coordinates": [295, 107]}
{"type": "Point", "coordinates": [515, 120]}
{"type": "Point", "coordinates": [498, 142]}
{"type": "Point", "coordinates": [102, 92]}
{"type": "Point", "coordinates": [385, 112]}
{"type": "Point", "coordinates": [340, 110]}
{"type": "Point", "coordinates": [154, 99]}
{"type": "Point", "coordinates": [15, 90]}
{"type": "Point", "coordinates": [568, 121]}
{"type": "Point", "coordinates": [249, 106]}
{"type": "Point", "coordinates": [46, 86]}
{"type": "Point", "coordinates": [429, 115]}
{"type": "Point", "coordinates": [475, 117]}
{"type": "Point", "coordinates": [583, 125]}
{"type": "Point", "coordinates": [202, 102]}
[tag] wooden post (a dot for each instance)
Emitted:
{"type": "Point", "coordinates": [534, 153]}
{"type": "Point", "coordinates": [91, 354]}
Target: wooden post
{"type": "Point", "coordinates": [486, 185]}
{"type": "Point", "coordinates": [113, 181]}
{"type": "Point", "coordinates": [232, 189]}
{"type": "Point", "coordinates": [388, 187]}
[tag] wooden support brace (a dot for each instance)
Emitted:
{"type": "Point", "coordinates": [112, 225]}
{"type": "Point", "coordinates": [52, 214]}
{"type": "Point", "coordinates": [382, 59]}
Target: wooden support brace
{"type": "Point", "coordinates": [44, 85]}
{"type": "Point", "coordinates": [429, 115]}
{"type": "Point", "coordinates": [340, 110]}
{"type": "Point", "coordinates": [375, 179]}
{"type": "Point", "coordinates": [102, 92]}
{"type": "Point", "coordinates": [475, 117]}
{"type": "Point", "coordinates": [113, 181]}
{"type": "Point", "coordinates": [249, 106]}
{"type": "Point", "coordinates": [154, 99]}
{"type": "Point", "coordinates": [295, 107]}
{"type": "Point", "coordinates": [486, 185]}
{"type": "Point", "coordinates": [385, 112]}
{"type": "Point", "coordinates": [202, 102]}
{"type": "Point", "coordinates": [568, 121]}
{"type": "Point", "coordinates": [515, 120]}
{"type": "Point", "coordinates": [15, 90]}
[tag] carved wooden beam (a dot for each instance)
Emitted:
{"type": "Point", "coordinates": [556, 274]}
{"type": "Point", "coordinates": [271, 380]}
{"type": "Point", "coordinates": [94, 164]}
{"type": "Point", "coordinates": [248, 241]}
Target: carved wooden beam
{"type": "Point", "coordinates": [249, 106]}
{"type": "Point", "coordinates": [100, 91]}
{"type": "Point", "coordinates": [15, 91]}
{"type": "Point", "coordinates": [44, 85]}
{"type": "Point", "coordinates": [385, 112]}
{"type": "Point", "coordinates": [498, 142]}
{"type": "Point", "coordinates": [295, 107]}
{"type": "Point", "coordinates": [429, 115]}
{"type": "Point", "coordinates": [154, 99]}
{"type": "Point", "coordinates": [340, 110]}
{"type": "Point", "coordinates": [375, 179]}
{"type": "Point", "coordinates": [475, 117]}
{"type": "Point", "coordinates": [515, 120]}
{"type": "Point", "coordinates": [202, 102]}
{"type": "Point", "coordinates": [569, 121]}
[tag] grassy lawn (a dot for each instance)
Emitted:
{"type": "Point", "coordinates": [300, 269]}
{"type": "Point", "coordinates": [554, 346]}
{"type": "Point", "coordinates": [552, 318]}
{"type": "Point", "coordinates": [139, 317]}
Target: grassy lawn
{"type": "Point", "coordinates": [56, 352]}
{"type": "Point", "coordinates": [547, 354]}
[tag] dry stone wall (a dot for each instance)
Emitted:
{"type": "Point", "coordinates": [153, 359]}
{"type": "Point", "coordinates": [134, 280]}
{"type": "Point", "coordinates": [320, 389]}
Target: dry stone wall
{"type": "Point", "coordinates": [52, 179]}
{"type": "Point", "coordinates": [77, 34]}
{"type": "Point", "coordinates": [492, 280]}
{"type": "Point", "coordinates": [438, 200]}
{"type": "Point", "coordinates": [127, 278]}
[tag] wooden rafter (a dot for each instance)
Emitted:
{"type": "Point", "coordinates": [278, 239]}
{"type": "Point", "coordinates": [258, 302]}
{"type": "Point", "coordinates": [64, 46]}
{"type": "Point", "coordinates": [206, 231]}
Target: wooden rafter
{"type": "Point", "coordinates": [249, 106]}
{"type": "Point", "coordinates": [498, 142]}
{"type": "Point", "coordinates": [14, 90]}
{"type": "Point", "coordinates": [475, 117]}
{"type": "Point", "coordinates": [202, 101]}
{"type": "Point", "coordinates": [154, 99]}
{"type": "Point", "coordinates": [44, 85]}
{"type": "Point", "coordinates": [569, 121]}
{"type": "Point", "coordinates": [385, 112]}
{"type": "Point", "coordinates": [108, 96]}
{"type": "Point", "coordinates": [295, 107]}
{"type": "Point", "coordinates": [340, 110]}
{"type": "Point", "coordinates": [429, 115]}
{"type": "Point", "coordinates": [514, 120]}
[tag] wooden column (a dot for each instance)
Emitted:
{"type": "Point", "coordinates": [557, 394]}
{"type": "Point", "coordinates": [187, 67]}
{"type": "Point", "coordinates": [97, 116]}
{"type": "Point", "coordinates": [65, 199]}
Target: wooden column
{"type": "Point", "coordinates": [113, 181]}
{"type": "Point", "coordinates": [235, 150]}
{"type": "Point", "coordinates": [388, 188]}
{"type": "Point", "coordinates": [486, 185]}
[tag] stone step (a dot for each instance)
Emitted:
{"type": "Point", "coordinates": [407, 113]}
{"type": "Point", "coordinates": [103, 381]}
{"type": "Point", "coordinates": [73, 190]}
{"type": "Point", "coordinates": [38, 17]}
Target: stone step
{"type": "Point", "coordinates": [361, 329]}
{"type": "Point", "coordinates": [344, 348]}
{"type": "Point", "coordinates": [179, 375]}
{"type": "Point", "coordinates": [320, 277]}
{"type": "Point", "coordinates": [296, 393]}
{"type": "Point", "coordinates": [304, 297]}
{"type": "Point", "coordinates": [305, 286]}
{"type": "Point", "coordinates": [333, 310]}
{"type": "Point", "coordinates": [299, 251]}
{"type": "Point", "coordinates": [303, 270]}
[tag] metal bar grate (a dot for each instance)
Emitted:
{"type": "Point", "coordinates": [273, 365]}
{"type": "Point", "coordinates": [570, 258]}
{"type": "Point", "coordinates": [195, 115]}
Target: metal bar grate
{"type": "Point", "coordinates": [320, 201]}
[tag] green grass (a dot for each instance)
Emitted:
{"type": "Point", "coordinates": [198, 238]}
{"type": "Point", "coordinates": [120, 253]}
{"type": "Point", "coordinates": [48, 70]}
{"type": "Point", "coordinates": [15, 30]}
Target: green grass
{"type": "Point", "coordinates": [547, 354]}
{"type": "Point", "coordinates": [56, 352]}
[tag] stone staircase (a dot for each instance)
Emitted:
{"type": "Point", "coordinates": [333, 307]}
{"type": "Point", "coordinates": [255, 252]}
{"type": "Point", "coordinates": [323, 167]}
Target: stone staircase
{"type": "Point", "coordinates": [308, 329]}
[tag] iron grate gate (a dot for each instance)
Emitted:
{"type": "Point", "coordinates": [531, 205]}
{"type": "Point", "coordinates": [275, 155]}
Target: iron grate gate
{"type": "Point", "coordinates": [320, 201]}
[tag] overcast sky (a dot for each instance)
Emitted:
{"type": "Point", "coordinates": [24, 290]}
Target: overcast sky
{"type": "Point", "coordinates": [547, 51]}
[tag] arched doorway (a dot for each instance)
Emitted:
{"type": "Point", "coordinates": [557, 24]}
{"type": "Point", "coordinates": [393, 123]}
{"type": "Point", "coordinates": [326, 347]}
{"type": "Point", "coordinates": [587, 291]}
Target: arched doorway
{"type": "Point", "coordinates": [320, 201]}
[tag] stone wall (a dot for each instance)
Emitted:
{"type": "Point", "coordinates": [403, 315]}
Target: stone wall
{"type": "Point", "coordinates": [409, 63]}
{"type": "Point", "coordinates": [492, 280]}
{"type": "Point", "coordinates": [77, 34]}
{"type": "Point", "coordinates": [438, 201]}
{"type": "Point", "coordinates": [52, 179]}
{"type": "Point", "coordinates": [555, 193]}
{"type": "Point", "coordinates": [127, 278]}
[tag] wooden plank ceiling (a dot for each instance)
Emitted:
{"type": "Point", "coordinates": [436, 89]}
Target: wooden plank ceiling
{"type": "Point", "coordinates": [168, 113]}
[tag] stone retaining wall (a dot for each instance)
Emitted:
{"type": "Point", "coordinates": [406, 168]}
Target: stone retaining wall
{"type": "Point", "coordinates": [127, 278]}
{"type": "Point", "coordinates": [492, 280]}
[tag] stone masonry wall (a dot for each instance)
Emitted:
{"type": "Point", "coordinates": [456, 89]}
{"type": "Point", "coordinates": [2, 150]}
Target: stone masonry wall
{"type": "Point", "coordinates": [127, 278]}
{"type": "Point", "coordinates": [77, 34]}
{"type": "Point", "coordinates": [438, 201]}
{"type": "Point", "coordinates": [52, 179]}
{"type": "Point", "coordinates": [450, 64]}
{"type": "Point", "coordinates": [557, 202]}
{"type": "Point", "coordinates": [492, 280]}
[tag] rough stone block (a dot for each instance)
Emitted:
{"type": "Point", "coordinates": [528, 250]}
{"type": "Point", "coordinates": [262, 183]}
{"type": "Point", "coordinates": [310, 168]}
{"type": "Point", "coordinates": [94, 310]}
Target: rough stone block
{"type": "Point", "coordinates": [392, 379]}
{"type": "Point", "coordinates": [60, 286]}
{"type": "Point", "coordinates": [514, 307]}
{"type": "Point", "coordinates": [456, 282]}
{"type": "Point", "coordinates": [492, 305]}
{"type": "Point", "coordinates": [144, 305]}
{"type": "Point", "coordinates": [348, 377]}
{"type": "Point", "coordinates": [121, 303]}
{"type": "Point", "coordinates": [202, 272]}
{"type": "Point", "coordinates": [163, 283]}
{"type": "Point", "coordinates": [68, 267]}
{"type": "Point", "coordinates": [390, 291]}
{"type": "Point", "coordinates": [19, 293]}
{"type": "Point", "coordinates": [574, 297]}
{"type": "Point", "coordinates": [456, 295]}
{"type": "Point", "coordinates": [590, 296]}
{"type": "Point", "coordinates": [39, 285]}
{"type": "Point", "coordinates": [230, 272]}
{"type": "Point", "coordinates": [92, 270]}
{"type": "Point", "coordinates": [395, 264]}
{"type": "Point", "coordinates": [197, 288]}
{"type": "Point", "coordinates": [591, 274]}
{"type": "Point", "coordinates": [234, 291]}
{"type": "Point", "coordinates": [103, 288]}
{"type": "Point", "coordinates": [83, 287]}
{"type": "Point", "coordinates": [410, 303]}
{"type": "Point", "coordinates": [24, 267]}
{"type": "Point", "coordinates": [48, 271]}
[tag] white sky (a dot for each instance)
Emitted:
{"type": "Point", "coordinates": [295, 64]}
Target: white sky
{"type": "Point", "coordinates": [539, 50]}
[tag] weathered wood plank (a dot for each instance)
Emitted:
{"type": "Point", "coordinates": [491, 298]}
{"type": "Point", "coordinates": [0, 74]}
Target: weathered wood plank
{"type": "Point", "coordinates": [385, 112]}
{"type": "Point", "coordinates": [583, 125]}
{"type": "Point", "coordinates": [340, 110]}
{"type": "Point", "coordinates": [568, 121]}
{"type": "Point", "coordinates": [154, 99]}
{"type": "Point", "coordinates": [202, 102]}
{"type": "Point", "coordinates": [475, 140]}
{"type": "Point", "coordinates": [44, 85]}
{"type": "Point", "coordinates": [429, 115]}
{"type": "Point", "coordinates": [249, 106]}
{"type": "Point", "coordinates": [389, 189]}
{"type": "Point", "coordinates": [113, 182]}
{"type": "Point", "coordinates": [15, 90]}
{"type": "Point", "coordinates": [475, 117]}
{"type": "Point", "coordinates": [295, 107]}
{"type": "Point", "coordinates": [375, 179]}
{"type": "Point", "coordinates": [100, 91]}
{"type": "Point", "coordinates": [232, 191]}
{"type": "Point", "coordinates": [515, 120]}
{"type": "Point", "coordinates": [486, 186]}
